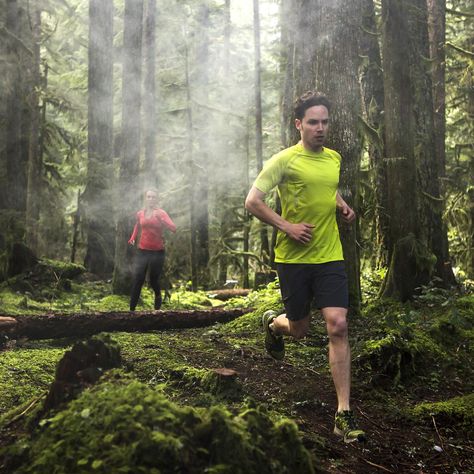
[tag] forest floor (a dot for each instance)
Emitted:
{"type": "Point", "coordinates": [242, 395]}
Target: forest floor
{"type": "Point", "coordinates": [388, 382]}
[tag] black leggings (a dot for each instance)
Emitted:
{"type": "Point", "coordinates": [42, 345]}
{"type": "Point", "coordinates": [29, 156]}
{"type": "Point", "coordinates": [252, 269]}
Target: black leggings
{"type": "Point", "coordinates": [154, 259]}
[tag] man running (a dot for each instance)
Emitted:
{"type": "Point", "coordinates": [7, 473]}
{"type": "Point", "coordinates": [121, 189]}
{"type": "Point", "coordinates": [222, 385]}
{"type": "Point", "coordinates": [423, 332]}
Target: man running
{"type": "Point", "coordinates": [308, 251]}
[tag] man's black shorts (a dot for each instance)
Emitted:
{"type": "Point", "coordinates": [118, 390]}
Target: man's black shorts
{"type": "Point", "coordinates": [300, 283]}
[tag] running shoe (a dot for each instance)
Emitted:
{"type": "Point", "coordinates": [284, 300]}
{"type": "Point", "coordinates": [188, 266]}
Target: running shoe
{"type": "Point", "coordinates": [346, 427]}
{"type": "Point", "coordinates": [275, 345]}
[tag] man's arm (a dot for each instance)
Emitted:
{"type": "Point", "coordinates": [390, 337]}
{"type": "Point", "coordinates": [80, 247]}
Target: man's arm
{"type": "Point", "coordinates": [255, 204]}
{"type": "Point", "coordinates": [348, 215]}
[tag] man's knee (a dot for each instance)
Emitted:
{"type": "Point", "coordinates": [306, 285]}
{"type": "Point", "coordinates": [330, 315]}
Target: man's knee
{"type": "Point", "coordinates": [337, 324]}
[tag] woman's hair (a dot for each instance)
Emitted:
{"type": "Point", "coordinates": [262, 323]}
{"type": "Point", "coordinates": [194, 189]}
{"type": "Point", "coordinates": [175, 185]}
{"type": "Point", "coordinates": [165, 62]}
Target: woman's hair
{"type": "Point", "coordinates": [154, 190]}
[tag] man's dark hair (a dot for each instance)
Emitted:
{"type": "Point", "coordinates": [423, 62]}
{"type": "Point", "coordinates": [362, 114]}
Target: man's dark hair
{"type": "Point", "coordinates": [310, 99]}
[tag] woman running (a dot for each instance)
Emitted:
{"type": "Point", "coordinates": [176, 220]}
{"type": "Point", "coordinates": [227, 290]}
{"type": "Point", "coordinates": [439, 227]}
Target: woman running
{"type": "Point", "coordinates": [151, 221]}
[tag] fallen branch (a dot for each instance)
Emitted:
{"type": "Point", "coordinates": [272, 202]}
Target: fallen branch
{"type": "Point", "coordinates": [51, 326]}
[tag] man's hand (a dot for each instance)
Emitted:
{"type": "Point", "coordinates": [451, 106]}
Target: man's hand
{"type": "Point", "coordinates": [131, 242]}
{"type": "Point", "coordinates": [302, 232]}
{"type": "Point", "coordinates": [348, 215]}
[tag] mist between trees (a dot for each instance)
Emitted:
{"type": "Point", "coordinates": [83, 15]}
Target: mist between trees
{"type": "Point", "coordinates": [102, 99]}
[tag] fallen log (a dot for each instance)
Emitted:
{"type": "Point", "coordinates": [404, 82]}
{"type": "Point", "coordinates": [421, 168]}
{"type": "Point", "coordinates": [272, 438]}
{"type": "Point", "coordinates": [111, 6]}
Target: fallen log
{"type": "Point", "coordinates": [50, 326]}
{"type": "Point", "coordinates": [225, 295]}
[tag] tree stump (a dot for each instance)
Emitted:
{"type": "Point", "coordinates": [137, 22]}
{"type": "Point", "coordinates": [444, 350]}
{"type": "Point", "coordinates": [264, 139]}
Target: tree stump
{"type": "Point", "coordinates": [80, 367]}
{"type": "Point", "coordinates": [223, 382]}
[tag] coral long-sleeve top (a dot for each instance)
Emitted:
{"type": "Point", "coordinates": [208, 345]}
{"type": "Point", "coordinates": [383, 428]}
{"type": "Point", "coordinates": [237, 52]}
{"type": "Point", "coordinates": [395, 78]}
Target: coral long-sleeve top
{"type": "Point", "coordinates": [151, 237]}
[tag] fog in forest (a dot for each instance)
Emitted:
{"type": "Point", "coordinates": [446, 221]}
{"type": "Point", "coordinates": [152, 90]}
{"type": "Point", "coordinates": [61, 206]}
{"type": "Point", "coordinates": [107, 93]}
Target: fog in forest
{"type": "Point", "coordinates": [172, 101]}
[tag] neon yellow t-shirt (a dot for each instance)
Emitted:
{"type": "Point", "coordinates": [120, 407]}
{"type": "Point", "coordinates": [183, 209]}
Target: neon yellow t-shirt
{"type": "Point", "coordinates": [307, 185]}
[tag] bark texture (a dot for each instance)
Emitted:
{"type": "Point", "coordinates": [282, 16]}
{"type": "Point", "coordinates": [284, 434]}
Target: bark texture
{"type": "Point", "coordinates": [129, 196]}
{"type": "Point", "coordinates": [98, 199]}
{"type": "Point", "coordinates": [408, 262]}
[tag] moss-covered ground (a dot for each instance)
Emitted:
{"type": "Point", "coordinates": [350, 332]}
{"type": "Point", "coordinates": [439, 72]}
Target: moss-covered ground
{"type": "Point", "coordinates": [166, 410]}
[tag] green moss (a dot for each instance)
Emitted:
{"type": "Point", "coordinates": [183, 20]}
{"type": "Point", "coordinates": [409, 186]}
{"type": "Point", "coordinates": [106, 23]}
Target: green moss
{"type": "Point", "coordinates": [126, 426]}
{"type": "Point", "coordinates": [26, 372]}
{"type": "Point", "coordinates": [63, 269]}
{"type": "Point", "coordinates": [456, 411]}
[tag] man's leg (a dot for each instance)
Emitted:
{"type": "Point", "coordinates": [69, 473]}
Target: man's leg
{"type": "Point", "coordinates": [282, 326]}
{"type": "Point", "coordinates": [339, 354]}
{"type": "Point", "coordinates": [340, 363]}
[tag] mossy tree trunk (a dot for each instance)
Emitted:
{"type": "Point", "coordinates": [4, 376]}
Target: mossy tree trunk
{"type": "Point", "coordinates": [428, 163]}
{"type": "Point", "coordinates": [128, 194]}
{"type": "Point", "coordinates": [264, 246]}
{"type": "Point", "coordinates": [33, 194]}
{"type": "Point", "coordinates": [373, 106]}
{"type": "Point", "coordinates": [98, 197]}
{"type": "Point", "coordinates": [405, 273]}
{"type": "Point", "coordinates": [437, 38]}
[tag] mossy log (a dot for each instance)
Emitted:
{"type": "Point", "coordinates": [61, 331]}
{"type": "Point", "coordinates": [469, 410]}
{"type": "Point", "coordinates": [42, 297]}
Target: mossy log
{"type": "Point", "coordinates": [49, 326]}
{"type": "Point", "coordinates": [225, 295]}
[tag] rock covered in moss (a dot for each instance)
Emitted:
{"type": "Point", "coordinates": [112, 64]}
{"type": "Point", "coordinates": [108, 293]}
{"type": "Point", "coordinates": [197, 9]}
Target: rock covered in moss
{"type": "Point", "coordinates": [128, 427]}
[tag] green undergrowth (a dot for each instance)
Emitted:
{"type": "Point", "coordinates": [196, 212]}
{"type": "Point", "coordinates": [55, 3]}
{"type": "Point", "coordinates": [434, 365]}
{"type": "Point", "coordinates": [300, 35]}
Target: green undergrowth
{"type": "Point", "coordinates": [54, 286]}
{"type": "Point", "coordinates": [26, 371]}
{"type": "Point", "coordinates": [458, 411]}
{"type": "Point", "coordinates": [395, 344]}
{"type": "Point", "coordinates": [122, 425]}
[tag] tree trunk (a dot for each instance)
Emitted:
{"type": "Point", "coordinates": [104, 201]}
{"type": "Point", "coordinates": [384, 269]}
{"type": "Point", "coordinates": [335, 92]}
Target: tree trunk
{"type": "Point", "coordinates": [437, 39]}
{"type": "Point", "coordinates": [264, 249]}
{"type": "Point", "coordinates": [246, 236]}
{"type": "Point", "coordinates": [326, 57]}
{"type": "Point", "coordinates": [15, 166]}
{"type": "Point", "coordinates": [150, 125]}
{"type": "Point", "coordinates": [85, 324]}
{"type": "Point", "coordinates": [33, 195]}
{"type": "Point", "coordinates": [98, 202]}
{"type": "Point", "coordinates": [406, 271]}
{"type": "Point", "coordinates": [128, 198]}
{"type": "Point", "coordinates": [373, 105]}
{"type": "Point", "coordinates": [289, 135]}
{"type": "Point", "coordinates": [200, 190]}
{"type": "Point", "coordinates": [221, 185]}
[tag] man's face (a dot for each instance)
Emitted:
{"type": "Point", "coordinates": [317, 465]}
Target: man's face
{"type": "Point", "coordinates": [314, 127]}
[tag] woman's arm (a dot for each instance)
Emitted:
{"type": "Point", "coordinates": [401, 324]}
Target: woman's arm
{"type": "Point", "coordinates": [131, 241]}
{"type": "Point", "coordinates": [166, 219]}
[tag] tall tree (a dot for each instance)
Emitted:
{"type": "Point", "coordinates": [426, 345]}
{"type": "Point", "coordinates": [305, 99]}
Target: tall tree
{"type": "Point", "coordinates": [33, 195]}
{"type": "Point", "coordinates": [372, 120]}
{"type": "Point", "coordinates": [149, 96]}
{"type": "Point", "coordinates": [222, 181]}
{"type": "Point", "coordinates": [128, 198]}
{"type": "Point", "coordinates": [98, 196]}
{"type": "Point", "coordinates": [407, 254]}
{"type": "Point", "coordinates": [437, 39]}
{"type": "Point", "coordinates": [325, 50]}
{"type": "Point", "coordinates": [15, 108]}
{"type": "Point", "coordinates": [201, 189]}
{"type": "Point", "coordinates": [264, 249]}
